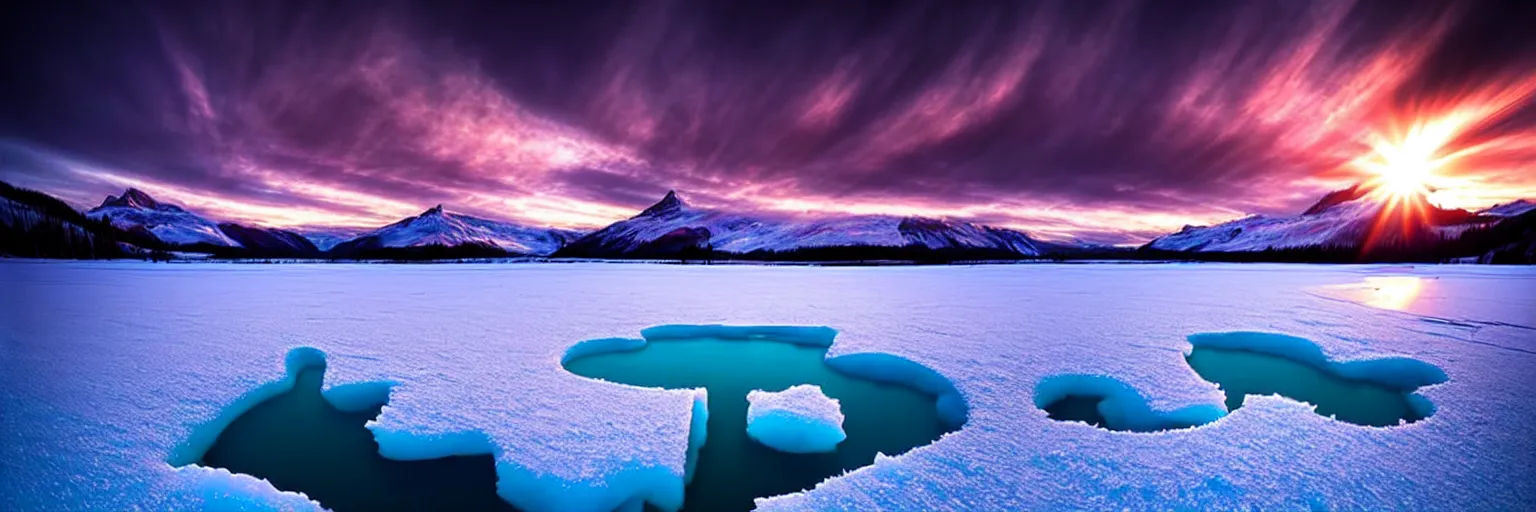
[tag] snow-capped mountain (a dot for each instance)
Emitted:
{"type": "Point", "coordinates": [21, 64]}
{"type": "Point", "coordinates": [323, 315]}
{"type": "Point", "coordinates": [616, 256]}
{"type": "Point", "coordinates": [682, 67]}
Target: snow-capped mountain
{"type": "Point", "coordinates": [1344, 219]}
{"type": "Point", "coordinates": [436, 227]}
{"type": "Point", "coordinates": [36, 225]}
{"type": "Point", "coordinates": [1510, 209]}
{"type": "Point", "coordinates": [136, 210]}
{"type": "Point", "coordinates": [1340, 219]}
{"type": "Point", "coordinates": [671, 228]}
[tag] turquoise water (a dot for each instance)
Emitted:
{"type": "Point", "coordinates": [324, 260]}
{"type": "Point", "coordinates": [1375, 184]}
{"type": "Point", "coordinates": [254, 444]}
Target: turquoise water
{"type": "Point", "coordinates": [1240, 373]}
{"type": "Point", "coordinates": [732, 468]}
{"type": "Point", "coordinates": [1085, 408]}
{"type": "Point", "coordinates": [301, 443]}
{"type": "Point", "coordinates": [1081, 408]}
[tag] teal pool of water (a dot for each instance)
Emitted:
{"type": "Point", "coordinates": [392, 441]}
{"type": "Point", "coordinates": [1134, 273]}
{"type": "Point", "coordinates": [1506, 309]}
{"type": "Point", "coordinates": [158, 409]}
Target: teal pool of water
{"type": "Point", "coordinates": [1081, 408]}
{"type": "Point", "coordinates": [301, 443]}
{"type": "Point", "coordinates": [733, 469]}
{"type": "Point", "coordinates": [1085, 409]}
{"type": "Point", "coordinates": [1240, 373]}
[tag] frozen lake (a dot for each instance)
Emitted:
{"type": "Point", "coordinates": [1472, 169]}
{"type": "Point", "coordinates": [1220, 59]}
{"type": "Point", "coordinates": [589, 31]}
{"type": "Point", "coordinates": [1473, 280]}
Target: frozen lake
{"type": "Point", "coordinates": [114, 376]}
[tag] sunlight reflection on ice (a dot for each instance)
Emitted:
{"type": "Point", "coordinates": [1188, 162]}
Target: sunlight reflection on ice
{"type": "Point", "coordinates": [1386, 292]}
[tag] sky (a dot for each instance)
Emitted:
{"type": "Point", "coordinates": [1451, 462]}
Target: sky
{"type": "Point", "coordinates": [1104, 121]}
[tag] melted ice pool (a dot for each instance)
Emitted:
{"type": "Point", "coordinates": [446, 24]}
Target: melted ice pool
{"type": "Point", "coordinates": [733, 468]}
{"type": "Point", "coordinates": [1240, 373]}
{"type": "Point", "coordinates": [300, 442]}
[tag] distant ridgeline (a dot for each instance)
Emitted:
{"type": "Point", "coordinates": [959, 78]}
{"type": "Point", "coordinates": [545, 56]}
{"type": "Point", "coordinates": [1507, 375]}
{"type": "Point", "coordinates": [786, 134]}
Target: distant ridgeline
{"type": "Point", "coordinates": [673, 229]}
{"type": "Point", "coordinates": [1354, 225]}
{"type": "Point", "coordinates": [1347, 226]}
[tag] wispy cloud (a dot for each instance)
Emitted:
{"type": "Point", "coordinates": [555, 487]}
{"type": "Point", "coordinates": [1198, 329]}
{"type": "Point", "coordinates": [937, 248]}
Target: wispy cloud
{"type": "Point", "coordinates": [1110, 121]}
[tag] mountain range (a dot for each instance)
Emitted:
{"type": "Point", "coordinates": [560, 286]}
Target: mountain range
{"type": "Point", "coordinates": [433, 234]}
{"type": "Point", "coordinates": [1359, 224]}
{"type": "Point", "coordinates": [671, 228]}
{"type": "Point", "coordinates": [137, 212]}
{"type": "Point", "coordinates": [468, 237]}
{"type": "Point", "coordinates": [1348, 225]}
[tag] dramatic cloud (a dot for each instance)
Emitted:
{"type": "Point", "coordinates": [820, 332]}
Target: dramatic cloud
{"type": "Point", "coordinates": [1109, 121]}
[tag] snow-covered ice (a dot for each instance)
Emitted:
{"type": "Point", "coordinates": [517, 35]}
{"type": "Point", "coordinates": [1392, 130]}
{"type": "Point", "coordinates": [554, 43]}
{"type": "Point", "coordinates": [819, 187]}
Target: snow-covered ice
{"type": "Point", "coordinates": [797, 420]}
{"type": "Point", "coordinates": [112, 372]}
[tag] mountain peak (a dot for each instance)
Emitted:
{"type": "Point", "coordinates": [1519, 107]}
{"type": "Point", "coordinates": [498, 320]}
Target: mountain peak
{"type": "Point", "coordinates": [132, 198]}
{"type": "Point", "coordinates": [435, 210]}
{"type": "Point", "coordinates": [670, 203]}
{"type": "Point", "coordinates": [1336, 198]}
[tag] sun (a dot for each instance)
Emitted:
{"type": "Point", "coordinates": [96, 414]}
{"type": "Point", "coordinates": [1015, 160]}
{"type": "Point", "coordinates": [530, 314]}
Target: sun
{"type": "Point", "coordinates": [1410, 165]}
{"type": "Point", "coordinates": [1403, 170]}
{"type": "Point", "coordinates": [1407, 172]}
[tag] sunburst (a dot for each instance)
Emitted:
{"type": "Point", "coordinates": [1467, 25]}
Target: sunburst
{"type": "Point", "coordinates": [1412, 164]}
{"type": "Point", "coordinates": [1404, 170]}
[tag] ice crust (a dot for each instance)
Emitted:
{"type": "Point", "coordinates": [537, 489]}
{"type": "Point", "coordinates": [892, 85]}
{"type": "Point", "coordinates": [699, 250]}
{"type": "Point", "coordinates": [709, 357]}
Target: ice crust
{"type": "Point", "coordinates": [797, 420]}
{"type": "Point", "coordinates": [109, 369]}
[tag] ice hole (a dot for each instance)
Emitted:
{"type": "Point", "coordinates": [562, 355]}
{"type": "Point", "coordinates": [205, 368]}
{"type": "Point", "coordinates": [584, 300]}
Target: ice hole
{"type": "Point", "coordinates": [1374, 393]}
{"type": "Point", "coordinates": [1110, 404]}
{"type": "Point", "coordinates": [301, 440]}
{"type": "Point", "coordinates": [890, 404]}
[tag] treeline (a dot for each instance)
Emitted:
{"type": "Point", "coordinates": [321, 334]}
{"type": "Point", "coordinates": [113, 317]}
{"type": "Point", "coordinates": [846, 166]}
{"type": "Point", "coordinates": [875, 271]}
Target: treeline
{"type": "Point", "coordinates": [1510, 242]}
{"type": "Point", "coordinates": [907, 253]}
{"type": "Point", "coordinates": [421, 253]}
{"type": "Point", "coordinates": [50, 237]}
{"type": "Point", "coordinates": [37, 225]}
{"type": "Point", "coordinates": [853, 253]}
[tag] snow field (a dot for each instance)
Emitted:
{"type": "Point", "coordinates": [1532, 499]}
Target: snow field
{"type": "Point", "coordinates": [110, 370]}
